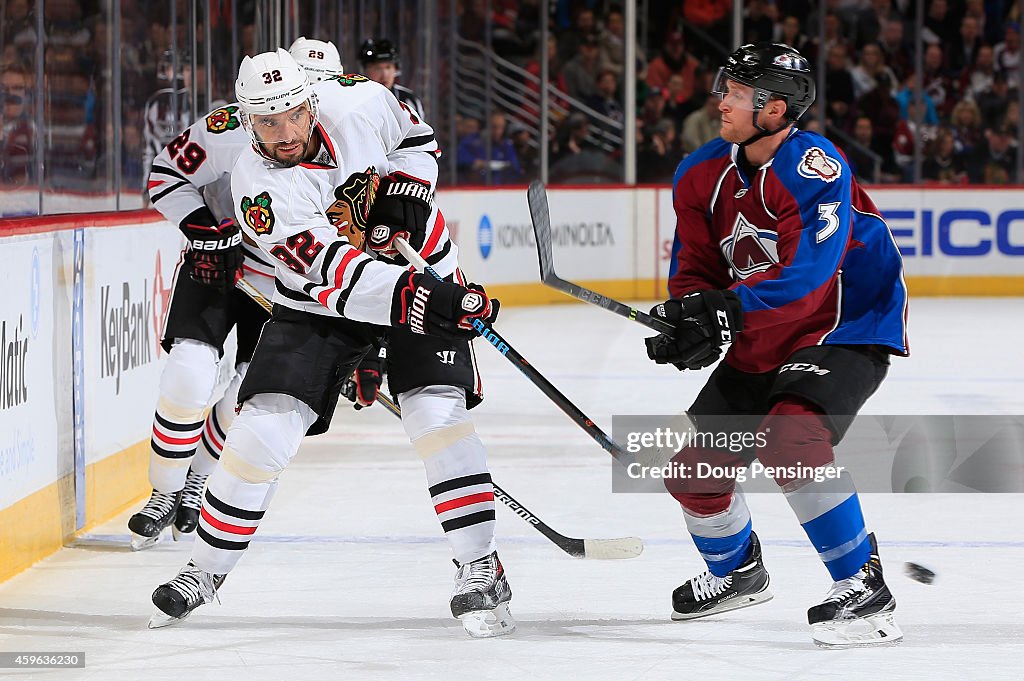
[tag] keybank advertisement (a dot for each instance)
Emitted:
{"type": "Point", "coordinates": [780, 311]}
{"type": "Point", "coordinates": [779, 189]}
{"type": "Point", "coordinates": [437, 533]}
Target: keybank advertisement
{"type": "Point", "coordinates": [950, 232]}
{"type": "Point", "coordinates": [30, 366]}
{"type": "Point", "coordinates": [129, 274]}
{"type": "Point", "coordinates": [590, 230]}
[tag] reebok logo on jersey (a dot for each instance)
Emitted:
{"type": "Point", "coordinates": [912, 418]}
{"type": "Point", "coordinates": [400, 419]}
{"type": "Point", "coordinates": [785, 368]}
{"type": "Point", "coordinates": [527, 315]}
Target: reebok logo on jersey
{"type": "Point", "coordinates": [817, 165]}
{"type": "Point", "coordinates": [258, 215]}
{"type": "Point", "coordinates": [801, 366]}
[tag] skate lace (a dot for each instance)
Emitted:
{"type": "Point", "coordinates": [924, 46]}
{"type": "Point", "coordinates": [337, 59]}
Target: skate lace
{"type": "Point", "coordinates": [846, 589]}
{"type": "Point", "coordinates": [158, 506]}
{"type": "Point", "coordinates": [475, 576]}
{"type": "Point", "coordinates": [707, 585]}
{"type": "Point", "coordinates": [195, 584]}
{"type": "Point", "coordinates": [192, 495]}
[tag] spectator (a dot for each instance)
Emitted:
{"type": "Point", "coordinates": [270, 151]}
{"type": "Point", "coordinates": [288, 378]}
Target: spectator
{"type": "Point", "coordinates": [860, 155]}
{"type": "Point", "coordinates": [977, 78]}
{"type": "Point", "coordinates": [942, 164]}
{"type": "Point", "coordinates": [994, 160]}
{"type": "Point", "coordinates": [993, 102]}
{"type": "Point", "coordinates": [17, 127]}
{"type": "Point", "coordinates": [1006, 55]}
{"type": "Point", "coordinates": [937, 84]}
{"type": "Point", "coordinates": [581, 71]}
{"type": "Point", "coordinates": [555, 80]}
{"type": "Point", "coordinates": [657, 160]}
{"type": "Point", "coordinates": [569, 40]}
{"type": "Point", "coordinates": [18, 25]}
{"type": "Point", "coordinates": [834, 36]}
{"type": "Point", "coordinates": [527, 152]}
{"type": "Point", "coordinates": [653, 109]}
{"type": "Point", "coordinates": [579, 159]}
{"type": "Point", "coordinates": [839, 89]}
{"type": "Point", "coordinates": [709, 16]}
{"type": "Point", "coordinates": [871, 21]}
{"type": "Point", "coordinates": [677, 105]}
{"type": "Point", "coordinates": [673, 59]}
{"type": "Point", "coordinates": [789, 32]}
{"type": "Point", "coordinates": [758, 21]}
{"type": "Point", "coordinates": [965, 126]}
{"type": "Point", "coordinates": [866, 72]}
{"type": "Point", "coordinates": [607, 102]}
{"type": "Point", "coordinates": [939, 24]}
{"type": "Point", "coordinates": [964, 49]}
{"type": "Point", "coordinates": [613, 44]}
{"type": "Point", "coordinates": [883, 109]}
{"type": "Point", "coordinates": [702, 126]}
{"type": "Point", "coordinates": [503, 164]}
{"type": "Point", "coordinates": [897, 52]}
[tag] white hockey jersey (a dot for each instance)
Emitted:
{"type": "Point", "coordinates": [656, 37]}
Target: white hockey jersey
{"type": "Point", "coordinates": [294, 214]}
{"type": "Point", "coordinates": [193, 171]}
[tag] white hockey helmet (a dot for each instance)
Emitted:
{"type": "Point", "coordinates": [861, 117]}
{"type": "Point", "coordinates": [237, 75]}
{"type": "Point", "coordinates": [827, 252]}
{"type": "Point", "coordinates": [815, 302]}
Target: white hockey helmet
{"type": "Point", "coordinates": [320, 59]}
{"type": "Point", "coordinates": [271, 83]}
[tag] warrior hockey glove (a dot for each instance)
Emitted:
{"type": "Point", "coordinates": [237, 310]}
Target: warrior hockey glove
{"type": "Point", "coordinates": [214, 255]}
{"type": "Point", "coordinates": [361, 389]}
{"type": "Point", "coordinates": [400, 209]}
{"type": "Point", "coordinates": [704, 321]}
{"type": "Point", "coordinates": [440, 308]}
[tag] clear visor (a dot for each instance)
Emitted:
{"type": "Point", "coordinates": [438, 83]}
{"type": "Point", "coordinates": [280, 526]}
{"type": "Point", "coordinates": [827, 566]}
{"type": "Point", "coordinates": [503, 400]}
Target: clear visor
{"type": "Point", "coordinates": [293, 125]}
{"type": "Point", "coordinates": [736, 95]}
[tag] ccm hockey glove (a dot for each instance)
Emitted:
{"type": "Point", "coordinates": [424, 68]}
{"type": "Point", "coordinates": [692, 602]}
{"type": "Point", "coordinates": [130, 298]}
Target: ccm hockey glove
{"type": "Point", "coordinates": [400, 209]}
{"type": "Point", "coordinates": [425, 305]}
{"type": "Point", "coordinates": [704, 321]}
{"type": "Point", "coordinates": [361, 388]}
{"type": "Point", "coordinates": [214, 253]}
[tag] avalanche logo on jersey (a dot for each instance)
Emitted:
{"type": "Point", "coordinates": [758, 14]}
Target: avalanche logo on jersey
{"type": "Point", "coordinates": [222, 120]}
{"type": "Point", "coordinates": [351, 211]}
{"type": "Point", "coordinates": [257, 213]}
{"type": "Point", "coordinates": [750, 250]}
{"type": "Point", "coordinates": [817, 165]}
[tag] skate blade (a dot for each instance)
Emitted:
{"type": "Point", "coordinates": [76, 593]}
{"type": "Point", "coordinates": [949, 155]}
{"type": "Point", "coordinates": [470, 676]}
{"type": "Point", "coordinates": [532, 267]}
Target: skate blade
{"type": "Point", "coordinates": [140, 543]}
{"type": "Point", "coordinates": [178, 534]}
{"type": "Point", "coordinates": [489, 623]}
{"type": "Point", "coordinates": [874, 630]}
{"type": "Point", "coordinates": [734, 604]}
{"type": "Point", "coordinates": [160, 619]}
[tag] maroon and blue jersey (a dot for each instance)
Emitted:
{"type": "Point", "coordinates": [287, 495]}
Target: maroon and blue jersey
{"type": "Point", "coordinates": [800, 243]}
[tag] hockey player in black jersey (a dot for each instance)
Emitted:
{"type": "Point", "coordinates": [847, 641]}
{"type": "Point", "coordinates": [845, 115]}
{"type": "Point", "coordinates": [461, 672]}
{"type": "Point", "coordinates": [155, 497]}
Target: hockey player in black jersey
{"type": "Point", "coordinates": [380, 62]}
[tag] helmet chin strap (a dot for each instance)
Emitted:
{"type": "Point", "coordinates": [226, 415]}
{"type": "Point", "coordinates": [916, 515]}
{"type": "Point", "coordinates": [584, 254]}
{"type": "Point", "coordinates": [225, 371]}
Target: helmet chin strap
{"type": "Point", "coordinates": [763, 131]}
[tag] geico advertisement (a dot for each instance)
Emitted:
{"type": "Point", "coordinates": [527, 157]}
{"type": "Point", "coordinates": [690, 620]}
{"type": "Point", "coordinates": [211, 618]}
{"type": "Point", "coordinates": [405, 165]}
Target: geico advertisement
{"type": "Point", "coordinates": [30, 364]}
{"type": "Point", "coordinates": [939, 232]}
{"type": "Point", "coordinates": [129, 276]}
{"type": "Point", "coordinates": [590, 230]}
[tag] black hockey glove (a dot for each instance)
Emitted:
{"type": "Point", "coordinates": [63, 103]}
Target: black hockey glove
{"type": "Point", "coordinates": [401, 209]}
{"type": "Point", "coordinates": [214, 253]}
{"type": "Point", "coordinates": [425, 305]}
{"type": "Point", "coordinates": [361, 388]}
{"type": "Point", "coordinates": [704, 321]}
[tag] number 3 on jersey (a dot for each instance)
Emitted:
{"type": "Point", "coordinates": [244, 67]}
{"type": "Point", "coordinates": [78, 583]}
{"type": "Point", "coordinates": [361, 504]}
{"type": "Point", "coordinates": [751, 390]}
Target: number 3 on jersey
{"type": "Point", "coordinates": [827, 212]}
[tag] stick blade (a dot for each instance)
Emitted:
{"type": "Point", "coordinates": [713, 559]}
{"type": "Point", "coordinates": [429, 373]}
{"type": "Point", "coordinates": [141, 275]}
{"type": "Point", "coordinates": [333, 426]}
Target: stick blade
{"type": "Point", "coordinates": [613, 549]}
{"type": "Point", "coordinates": [537, 197]}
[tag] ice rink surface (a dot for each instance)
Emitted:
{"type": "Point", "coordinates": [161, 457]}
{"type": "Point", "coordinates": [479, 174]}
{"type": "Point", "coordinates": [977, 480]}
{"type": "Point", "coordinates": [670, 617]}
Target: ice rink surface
{"type": "Point", "coordinates": [348, 577]}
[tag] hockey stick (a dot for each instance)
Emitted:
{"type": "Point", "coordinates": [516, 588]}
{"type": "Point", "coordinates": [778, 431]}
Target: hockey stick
{"type": "Point", "coordinates": [532, 374]}
{"type": "Point", "coordinates": [537, 197]}
{"type": "Point", "coordinates": [597, 549]}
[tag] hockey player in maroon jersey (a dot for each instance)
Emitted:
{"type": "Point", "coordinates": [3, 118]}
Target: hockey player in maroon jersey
{"type": "Point", "coordinates": [780, 255]}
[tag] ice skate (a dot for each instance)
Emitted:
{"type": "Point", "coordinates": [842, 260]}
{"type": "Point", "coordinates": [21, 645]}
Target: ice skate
{"type": "Point", "coordinates": [481, 596]}
{"type": "Point", "coordinates": [176, 599]}
{"type": "Point", "coordinates": [857, 611]}
{"type": "Point", "coordinates": [147, 525]}
{"type": "Point", "coordinates": [187, 517]}
{"type": "Point", "coordinates": [707, 594]}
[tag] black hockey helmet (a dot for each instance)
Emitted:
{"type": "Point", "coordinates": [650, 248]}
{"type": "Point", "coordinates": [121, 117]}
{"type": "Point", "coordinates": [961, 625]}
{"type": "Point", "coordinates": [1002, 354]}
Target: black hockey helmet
{"type": "Point", "coordinates": [772, 70]}
{"type": "Point", "coordinates": [378, 49]}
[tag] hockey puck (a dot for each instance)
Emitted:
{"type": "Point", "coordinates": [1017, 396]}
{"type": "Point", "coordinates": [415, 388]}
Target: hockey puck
{"type": "Point", "coordinates": [919, 573]}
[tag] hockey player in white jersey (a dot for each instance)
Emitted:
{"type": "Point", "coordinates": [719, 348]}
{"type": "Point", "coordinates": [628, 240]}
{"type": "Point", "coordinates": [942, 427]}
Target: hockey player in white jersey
{"type": "Point", "coordinates": [190, 185]}
{"type": "Point", "coordinates": [330, 163]}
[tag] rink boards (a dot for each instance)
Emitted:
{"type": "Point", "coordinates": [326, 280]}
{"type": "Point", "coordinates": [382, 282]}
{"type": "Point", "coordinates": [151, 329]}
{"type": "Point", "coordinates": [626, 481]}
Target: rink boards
{"type": "Point", "coordinates": [84, 298]}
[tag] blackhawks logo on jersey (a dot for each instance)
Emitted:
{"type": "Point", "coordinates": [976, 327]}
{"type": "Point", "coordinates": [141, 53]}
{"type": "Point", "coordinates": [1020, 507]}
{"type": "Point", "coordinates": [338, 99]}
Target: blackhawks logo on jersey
{"type": "Point", "coordinates": [349, 79]}
{"type": "Point", "coordinates": [352, 209]}
{"type": "Point", "coordinates": [222, 120]}
{"type": "Point", "coordinates": [257, 213]}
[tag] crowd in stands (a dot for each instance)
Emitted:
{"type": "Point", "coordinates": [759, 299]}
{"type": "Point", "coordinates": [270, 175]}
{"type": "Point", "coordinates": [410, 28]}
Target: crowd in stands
{"type": "Point", "coordinates": [967, 130]}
